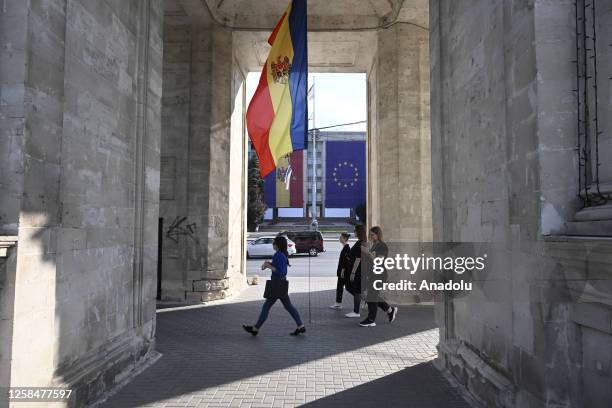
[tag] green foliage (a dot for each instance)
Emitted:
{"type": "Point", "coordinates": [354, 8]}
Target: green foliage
{"type": "Point", "coordinates": [256, 203]}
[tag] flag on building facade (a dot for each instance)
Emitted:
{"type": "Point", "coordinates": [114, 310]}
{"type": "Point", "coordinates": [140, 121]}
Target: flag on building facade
{"type": "Point", "coordinates": [289, 173]}
{"type": "Point", "coordinates": [277, 117]}
{"type": "Point", "coordinates": [345, 174]}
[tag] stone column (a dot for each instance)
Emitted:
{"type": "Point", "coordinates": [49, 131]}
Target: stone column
{"type": "Point", "coordinates": [80, 106]}
{"type": "Point", "coordinates": [219, 154]}
{"type": "Point", "coordinates": [222, 175]}
{"type": "Point", "coordinates": [177, 67]}
{"type": "Point", "coordinates": [504, 138]}
{"type": "Point", "coordinates": [37, 218]}
{"type": "Point", "coordinates": [13, 19]}
{"type": "Point", "coordinates": [237, 182]}
{"type": "Point", "coordinates": [203, 242]}
{"type": "Point", "coordinates": [198, 157]}
{"type": "Point", "coordinates": [400, 139]}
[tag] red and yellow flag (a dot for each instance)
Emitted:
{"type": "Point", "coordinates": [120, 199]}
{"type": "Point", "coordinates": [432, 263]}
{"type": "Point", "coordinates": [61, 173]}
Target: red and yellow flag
{"type": "Point", "coordinates": [277, 117]}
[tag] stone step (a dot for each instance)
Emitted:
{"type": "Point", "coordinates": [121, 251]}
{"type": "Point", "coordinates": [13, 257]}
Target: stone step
{"type": "Point", "coordinates": [589, 228]}
{"type": "Point", "coordinates": [595, 213]}
{"type": "Point", "coordinates": [203, 297]}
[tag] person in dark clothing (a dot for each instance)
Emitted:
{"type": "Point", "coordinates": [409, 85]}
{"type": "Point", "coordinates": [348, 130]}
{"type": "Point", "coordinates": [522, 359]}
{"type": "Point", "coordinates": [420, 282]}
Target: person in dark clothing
{"type": "Point", "coordinates": [353, 280]}
{"type": "Point", "coordinates": [342, 270]}
{"type": "Point", "coordinates": [378, 249]}
{"type": "Point", "coordinates": [278, 266]}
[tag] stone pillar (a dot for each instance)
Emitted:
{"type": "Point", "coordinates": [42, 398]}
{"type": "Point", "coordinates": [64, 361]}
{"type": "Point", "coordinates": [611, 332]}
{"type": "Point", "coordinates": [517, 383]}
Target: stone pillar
{"type": "Point", "coordinates": [13, 20]}
{"type": "Point", "coordinates": [80, 106]}
{"type": "Point", "coordinates": [504, 158]}
{"type": "Point", "coordinates": [176, 127]}
{"type": "Point", "coordinates": [237, 182]}
{"type": "Point", "coordinates": [226, 175]}
{"type": "Point", "coordinates": [198, 158]}
{"type": "Point", "coordinates": [204, 148]}
{"type": "Point", "coordinates": [7, 302]}
{"type": "Point", "coordinates": [219, 180]}
{"type": "Point", "coordinates": [399, 153]}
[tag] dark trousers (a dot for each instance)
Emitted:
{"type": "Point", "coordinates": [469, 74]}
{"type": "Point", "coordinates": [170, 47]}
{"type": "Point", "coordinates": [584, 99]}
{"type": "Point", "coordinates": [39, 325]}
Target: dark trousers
{"type": "Point", "coordinates": [356, 298]}
{"type": "Point", "coordinates": [265, 310]}
{"type": "Point", "coordinates": [339, 289]}
{"type": "Point", "coordinates": [373, 308]}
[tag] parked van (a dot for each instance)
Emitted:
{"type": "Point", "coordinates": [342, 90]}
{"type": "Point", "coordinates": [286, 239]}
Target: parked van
{"type": "Point", "coordinates": [306, 242]}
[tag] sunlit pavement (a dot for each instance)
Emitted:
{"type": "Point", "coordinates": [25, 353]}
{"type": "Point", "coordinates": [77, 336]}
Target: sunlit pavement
{"type": "Point", "coordinates": [209, 361]}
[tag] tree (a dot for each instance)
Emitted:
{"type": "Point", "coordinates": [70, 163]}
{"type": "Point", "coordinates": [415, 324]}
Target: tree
{"type": "Point", "coordinates": [256, 205]}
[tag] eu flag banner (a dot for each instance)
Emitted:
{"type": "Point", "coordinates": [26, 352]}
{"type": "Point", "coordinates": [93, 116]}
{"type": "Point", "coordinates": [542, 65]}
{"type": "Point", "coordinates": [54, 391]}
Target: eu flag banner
{"type": "Point", "coordinates": [345, 174]}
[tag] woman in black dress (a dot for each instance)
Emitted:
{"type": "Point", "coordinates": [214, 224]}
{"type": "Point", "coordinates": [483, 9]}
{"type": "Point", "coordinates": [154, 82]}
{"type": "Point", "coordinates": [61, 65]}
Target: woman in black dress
{"type": "Point", "coordinates": [342, 270]}
{"type": "Point", "coordinates": [353, 280]}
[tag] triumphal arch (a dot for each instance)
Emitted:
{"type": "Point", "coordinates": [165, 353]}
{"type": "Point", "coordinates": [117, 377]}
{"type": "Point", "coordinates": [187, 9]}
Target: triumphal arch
{"type": "Point", "coordinates": [123, 143]}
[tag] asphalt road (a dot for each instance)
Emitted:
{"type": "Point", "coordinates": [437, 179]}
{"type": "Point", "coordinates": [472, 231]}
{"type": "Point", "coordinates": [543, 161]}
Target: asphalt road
{"type": "Point", "coordinates": [323, 265]}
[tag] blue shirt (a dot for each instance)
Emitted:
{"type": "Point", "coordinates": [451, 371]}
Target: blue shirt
{"type": "Point", "coordinates": [279, 261]}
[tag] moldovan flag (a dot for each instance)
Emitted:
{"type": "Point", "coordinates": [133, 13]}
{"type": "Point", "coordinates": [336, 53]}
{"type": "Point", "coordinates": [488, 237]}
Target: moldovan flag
{"type": "Point", "coordinates": [284, 188]}
{"type": "Point", "coordinates": [277, 117]}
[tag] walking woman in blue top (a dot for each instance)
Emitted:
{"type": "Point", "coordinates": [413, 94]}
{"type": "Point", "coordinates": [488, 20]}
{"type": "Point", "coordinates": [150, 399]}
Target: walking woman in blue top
{"type": "Point", "coordinates": [278, 266]}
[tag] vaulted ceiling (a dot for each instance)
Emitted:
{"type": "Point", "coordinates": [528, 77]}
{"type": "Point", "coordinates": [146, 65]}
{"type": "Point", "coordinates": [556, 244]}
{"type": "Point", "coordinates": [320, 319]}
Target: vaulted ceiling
{"type": "Point", "coordinates": [327, 51]}
{"type": "Point", "coordinates": [342, 32]}
{"type": "Point", "coordinates": [322, 13]}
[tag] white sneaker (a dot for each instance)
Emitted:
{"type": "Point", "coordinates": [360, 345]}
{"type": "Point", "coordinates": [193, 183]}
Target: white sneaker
{"type": "Point", "coordinates": [352, 314]}
{"type": "Point", "coordinates": [392, 314]}
{"type": "Point", "coordinates": [336, 306]}
{"type": "Point", "coordinates": [367, 323]}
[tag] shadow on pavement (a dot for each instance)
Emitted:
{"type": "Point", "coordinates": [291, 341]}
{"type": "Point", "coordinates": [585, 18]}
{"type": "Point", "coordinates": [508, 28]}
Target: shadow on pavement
{"type": "Point", "coordinates": [419, 386]}
{"type": "Point", "coordinates": [207, 347]}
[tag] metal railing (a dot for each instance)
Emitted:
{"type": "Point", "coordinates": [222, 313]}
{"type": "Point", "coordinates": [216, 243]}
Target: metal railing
{"type": "Point", "coordinates": [589, 132]}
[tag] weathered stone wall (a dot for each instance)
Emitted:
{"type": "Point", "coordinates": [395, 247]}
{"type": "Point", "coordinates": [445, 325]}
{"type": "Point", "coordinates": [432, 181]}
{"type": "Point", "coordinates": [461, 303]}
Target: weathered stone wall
{"type": "Point", "coordinates": [400, 136]}
{"type": "Point", "coordinates": [203, 163]}
{"type": "Point", "coordinates": [175, 153]}
{"type": "Point", "coordinates": [503, 121]}
{"type": "Point", "coordinates": [219, 161]}
{"type": "Point", "coordinates": [7, 302]}
{"type": "Point", "coordinates": [12, 110]}
{"type": "Point", "coordinates": [82, 190]}
{"type": "Point", "coordinates": [13, 20]}
{"type": "Point", "coordinates": [237, 227]}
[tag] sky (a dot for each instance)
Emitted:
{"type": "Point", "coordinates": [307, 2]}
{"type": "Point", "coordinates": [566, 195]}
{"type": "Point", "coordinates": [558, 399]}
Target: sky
{"type": "Point", "coordinates": [339, 98]}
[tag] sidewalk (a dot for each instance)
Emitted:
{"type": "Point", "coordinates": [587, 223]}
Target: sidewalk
{"type": "Point", "coordinates": [208, 361]}
{"type": "Point", "coordinates": [327, 236]}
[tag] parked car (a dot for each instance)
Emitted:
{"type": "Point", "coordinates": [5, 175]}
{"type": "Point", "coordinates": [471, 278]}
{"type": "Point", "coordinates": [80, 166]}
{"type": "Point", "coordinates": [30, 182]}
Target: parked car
{"type": "Point", "coordinates": [306, 242]}
{"type": "Point", "coordinates": [263, 247]}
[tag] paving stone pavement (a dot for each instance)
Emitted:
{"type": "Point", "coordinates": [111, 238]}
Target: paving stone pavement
{"type": "Point", "coordinates": [209, 361]}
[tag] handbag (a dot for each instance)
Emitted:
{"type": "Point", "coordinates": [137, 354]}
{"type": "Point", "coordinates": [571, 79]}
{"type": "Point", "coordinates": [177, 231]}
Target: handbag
{"type": "Point", "coordinates": [276, 288]}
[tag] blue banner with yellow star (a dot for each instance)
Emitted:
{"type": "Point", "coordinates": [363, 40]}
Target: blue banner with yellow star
{"type": "Point", "coordinates": [345, 172]}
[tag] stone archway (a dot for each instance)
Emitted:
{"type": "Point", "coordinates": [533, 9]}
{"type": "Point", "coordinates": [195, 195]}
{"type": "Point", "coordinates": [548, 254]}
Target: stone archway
{"type": "Point", "coordinates": [209, 50]}
{"type": "Point", "coordinates": [97, 95]}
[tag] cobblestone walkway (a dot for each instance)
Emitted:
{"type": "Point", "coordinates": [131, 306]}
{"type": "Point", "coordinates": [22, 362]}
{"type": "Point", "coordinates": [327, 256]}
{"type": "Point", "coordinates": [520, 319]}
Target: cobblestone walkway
{"type": "Point", "coordinates": [208, 361]}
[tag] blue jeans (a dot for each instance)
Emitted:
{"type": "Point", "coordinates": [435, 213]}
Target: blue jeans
{"type": "Point", "coordinates": [268, 305]}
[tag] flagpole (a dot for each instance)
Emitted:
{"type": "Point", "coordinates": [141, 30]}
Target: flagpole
{"type": "Point", "coordinates": [314, 223]}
